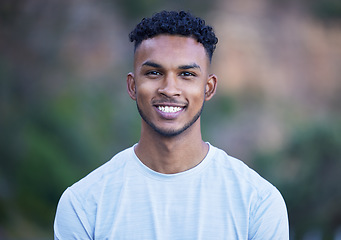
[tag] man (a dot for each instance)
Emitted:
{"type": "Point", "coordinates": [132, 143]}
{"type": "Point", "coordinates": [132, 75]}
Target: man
{"type": "Point", "coordinates": [172, 184]}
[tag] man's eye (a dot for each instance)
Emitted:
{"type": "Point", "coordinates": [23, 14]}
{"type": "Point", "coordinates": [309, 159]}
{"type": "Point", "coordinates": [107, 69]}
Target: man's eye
{"type": "Point", "coordinates": [187, 74]}
{"type": "Point", "coordinates": [153, 73]}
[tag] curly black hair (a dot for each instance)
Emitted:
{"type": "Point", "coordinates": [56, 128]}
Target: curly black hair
{"type": "Point", "coordinates": [175, 23]}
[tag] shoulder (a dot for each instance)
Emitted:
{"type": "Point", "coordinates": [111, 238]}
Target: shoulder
{"type": "Point", "coordinates": [77, 207]}
{"type": "Point", "coordinates": [264, 201]}
{"type": "Point", "coordinates": [244, 177]}
{"type": "Point", "coordinates": [109, 172]}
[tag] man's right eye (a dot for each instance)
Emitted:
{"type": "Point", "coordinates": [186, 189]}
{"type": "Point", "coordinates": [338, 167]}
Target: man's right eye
{"type": "Point", "coordinates": [153, 73]}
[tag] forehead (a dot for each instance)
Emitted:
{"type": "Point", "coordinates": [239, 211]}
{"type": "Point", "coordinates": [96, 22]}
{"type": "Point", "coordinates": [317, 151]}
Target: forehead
{"type": "Point", "coordinates": [171, 48]}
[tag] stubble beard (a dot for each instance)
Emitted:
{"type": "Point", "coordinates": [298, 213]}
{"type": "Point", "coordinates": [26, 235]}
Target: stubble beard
{"type": "Point", "coordinates": [171, 132]}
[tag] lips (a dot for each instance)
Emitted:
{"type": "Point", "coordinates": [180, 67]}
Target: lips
{"type": "Point", "coordinates": [169, 111]}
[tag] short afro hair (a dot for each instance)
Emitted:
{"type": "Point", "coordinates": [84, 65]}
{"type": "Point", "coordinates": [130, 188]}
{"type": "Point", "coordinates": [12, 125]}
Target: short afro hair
{"type": "Point", "coordinates": [175, 23]}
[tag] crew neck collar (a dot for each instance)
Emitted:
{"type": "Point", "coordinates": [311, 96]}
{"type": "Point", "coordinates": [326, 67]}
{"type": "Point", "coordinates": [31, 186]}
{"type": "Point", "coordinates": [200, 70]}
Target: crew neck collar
{"type": "Point", "coordinates": [174, 176]}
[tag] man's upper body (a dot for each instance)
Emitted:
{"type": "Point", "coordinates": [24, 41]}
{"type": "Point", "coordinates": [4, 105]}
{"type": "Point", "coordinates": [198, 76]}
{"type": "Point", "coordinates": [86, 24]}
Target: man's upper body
{"type": "Point", "coordinates": [221, 198]}
{"type": "Point", "coordinates": [172, 184]}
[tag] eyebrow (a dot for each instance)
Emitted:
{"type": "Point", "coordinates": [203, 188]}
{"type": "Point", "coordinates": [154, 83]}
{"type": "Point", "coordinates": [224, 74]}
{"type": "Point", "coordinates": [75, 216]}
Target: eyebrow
{"type": "Point", "coordinates": [183, 67]}
{"type": "Point", "coordinates": [151, 64]}
{"type": "Point", "coordinates": [190, 66]}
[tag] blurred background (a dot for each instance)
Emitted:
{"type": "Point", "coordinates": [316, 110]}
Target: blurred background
{"type": "Point", "coordinates": [64, 109]}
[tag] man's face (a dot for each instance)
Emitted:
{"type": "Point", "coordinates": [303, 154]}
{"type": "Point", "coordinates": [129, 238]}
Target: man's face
{"type": "Point", "coordinates": [170, 83]}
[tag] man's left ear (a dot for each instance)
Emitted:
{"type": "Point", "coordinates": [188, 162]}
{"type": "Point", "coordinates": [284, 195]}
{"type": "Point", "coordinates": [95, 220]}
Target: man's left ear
{"type": "Point", "coordinates": [211, 87]}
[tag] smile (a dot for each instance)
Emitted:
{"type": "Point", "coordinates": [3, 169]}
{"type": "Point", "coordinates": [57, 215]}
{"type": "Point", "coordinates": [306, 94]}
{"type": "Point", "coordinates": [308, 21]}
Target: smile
{"type": "Point", "coordinates": [169, 109]}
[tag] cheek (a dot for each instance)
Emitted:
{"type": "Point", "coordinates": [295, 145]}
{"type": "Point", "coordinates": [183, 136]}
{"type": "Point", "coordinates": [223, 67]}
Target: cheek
{"type": "Point", "coordinates": [197, 91]}
{"type": "Point", "coordinates": [144, 92]}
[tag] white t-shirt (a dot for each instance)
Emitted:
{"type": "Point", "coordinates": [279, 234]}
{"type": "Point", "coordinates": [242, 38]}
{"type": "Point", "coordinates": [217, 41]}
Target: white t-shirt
{"type": "Point", "coordinates": [221, 198]}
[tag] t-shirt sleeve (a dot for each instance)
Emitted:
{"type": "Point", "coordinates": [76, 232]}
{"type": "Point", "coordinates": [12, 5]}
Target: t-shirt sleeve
{"type": "Point", "coordinates": [71, 221]}
{"type": "Point", "coordinates": [269, 218]}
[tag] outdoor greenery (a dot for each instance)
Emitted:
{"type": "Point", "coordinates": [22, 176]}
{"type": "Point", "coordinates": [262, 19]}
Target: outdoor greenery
{"type": "Point", "coordinates": [307, 173]}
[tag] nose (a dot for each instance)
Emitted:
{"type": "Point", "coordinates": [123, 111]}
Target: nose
{"type": "Point", "coordinates": [170, 86]}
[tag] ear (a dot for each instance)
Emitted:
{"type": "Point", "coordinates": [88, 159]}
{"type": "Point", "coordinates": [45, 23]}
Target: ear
{"type": "Point", "coordinates": [211, 87]}
{"type": "Point", "coordinates": [131, 87]}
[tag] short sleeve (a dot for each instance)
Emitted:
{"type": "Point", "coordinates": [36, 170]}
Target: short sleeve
{"type": "Point", "coordinates": [269, 218]}
{"type": "Point", "coordinates": [70, 220]}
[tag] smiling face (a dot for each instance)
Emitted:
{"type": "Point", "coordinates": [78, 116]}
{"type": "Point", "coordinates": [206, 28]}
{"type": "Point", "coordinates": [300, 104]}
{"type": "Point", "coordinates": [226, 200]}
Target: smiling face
{"type": "Point", "coordinates": [170, 83]}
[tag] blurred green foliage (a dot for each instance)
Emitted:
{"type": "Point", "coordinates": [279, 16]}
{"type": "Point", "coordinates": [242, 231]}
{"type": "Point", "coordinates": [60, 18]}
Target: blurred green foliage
{"type": "Point", "coordinates": [307, 172]}
{"type": "Point", "coordinates": [327, 10]}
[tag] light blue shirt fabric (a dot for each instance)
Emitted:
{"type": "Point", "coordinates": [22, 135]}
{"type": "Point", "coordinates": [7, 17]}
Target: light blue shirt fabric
{"type": "Point", "coordinates": [221, 198]}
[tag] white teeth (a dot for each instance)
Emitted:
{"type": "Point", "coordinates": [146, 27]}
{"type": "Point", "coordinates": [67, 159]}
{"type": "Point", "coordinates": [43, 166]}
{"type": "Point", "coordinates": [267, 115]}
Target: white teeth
{"type": "Point", "coordinates": [169, 109]}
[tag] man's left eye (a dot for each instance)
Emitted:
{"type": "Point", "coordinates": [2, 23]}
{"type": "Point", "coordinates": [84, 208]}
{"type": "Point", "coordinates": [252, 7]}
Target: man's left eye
{"type": "Point", "coordinates": [187, 74]}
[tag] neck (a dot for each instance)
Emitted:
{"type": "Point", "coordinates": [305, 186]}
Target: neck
{"type": "Point", "coordinates": [171, 154]}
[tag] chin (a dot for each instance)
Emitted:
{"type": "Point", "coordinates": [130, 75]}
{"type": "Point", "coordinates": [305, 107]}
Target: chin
{"type": "Point", "coordinates": [169, 133]}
